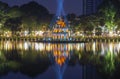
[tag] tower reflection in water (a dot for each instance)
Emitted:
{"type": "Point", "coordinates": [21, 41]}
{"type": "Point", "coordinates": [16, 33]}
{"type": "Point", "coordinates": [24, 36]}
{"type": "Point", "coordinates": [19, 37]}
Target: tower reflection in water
{"type": "Point", "coordinates": [60, 56]}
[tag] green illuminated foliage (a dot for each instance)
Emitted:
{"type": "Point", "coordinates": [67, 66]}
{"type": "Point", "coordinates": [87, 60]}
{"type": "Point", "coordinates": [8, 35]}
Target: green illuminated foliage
{"type": "Point", "coordinates": [109, 15]}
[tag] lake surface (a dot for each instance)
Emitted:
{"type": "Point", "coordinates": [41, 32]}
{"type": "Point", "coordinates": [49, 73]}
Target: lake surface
{"type": "Point", "coordinates": [35, 60]}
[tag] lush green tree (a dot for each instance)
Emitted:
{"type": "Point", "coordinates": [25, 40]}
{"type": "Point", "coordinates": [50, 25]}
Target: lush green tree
{"type": "Point", "coordinates": [88, 23]}
{"type": "Point", "coordinates": [108, 12]}
{"type": "Point", "coordinates": [9, 17]}
{"type": "Point", "coordinates": [14, 12]}
{"type": "Point", "coordinates": [29, 23]}
{"type": "Point", "coordinates": [34, 16]}
{"type": "Point", "coordinates": [14, 24]}
{"type": "Point", "coordinates": [3, 13]}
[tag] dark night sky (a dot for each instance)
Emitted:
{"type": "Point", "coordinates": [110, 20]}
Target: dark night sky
{"type": "Point", "coordinates": [70, 6]}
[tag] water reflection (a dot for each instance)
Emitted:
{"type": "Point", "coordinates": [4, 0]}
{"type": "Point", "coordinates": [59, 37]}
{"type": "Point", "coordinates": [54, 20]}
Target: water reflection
{"type": "Point", "coordinates": [60, 56]}
{"type": "Point", "coordinates": [38, 57]}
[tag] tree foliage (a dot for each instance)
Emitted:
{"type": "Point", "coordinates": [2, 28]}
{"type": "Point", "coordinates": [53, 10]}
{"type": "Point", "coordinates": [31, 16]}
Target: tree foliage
{"type": "Point", "coordinates": [109, 12]}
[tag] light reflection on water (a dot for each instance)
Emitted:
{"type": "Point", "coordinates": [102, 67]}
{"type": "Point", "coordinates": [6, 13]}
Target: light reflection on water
{"type": "Point", "coordinates": [60, 54]}
{"type": "Point", "coordinates": [82, 47]}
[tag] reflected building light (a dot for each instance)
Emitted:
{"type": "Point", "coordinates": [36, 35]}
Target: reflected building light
{"type": "Point", "coordinates": [88, 47]}
{"type": "Point", "coordinates": [26, 46]}
{"type": "Point", "coordinates": [70, 47]}
{"type": "Point", "coordinates": [118, 48]}
{"type": "Point", "coordinates": [60, 57]}
{"type": "Point", "coordinates": [67, 53]}
{"type": "Point", "coordinates": [78, 47]}
{"type": "Point", "coordinates": [82, 45]}
{"type": "Point", "coordinates": [8, 45]}
{"type": "Point", "coordinates": [20, 46]}
{"type": "Point", "coordinates": [48, 47]}
{"type": "Point", "coordinates": [111, 47]}
{"type": "Point", "coordinates": [36, 46]}
{"type": "Point", "coordinates": [103, 50]}
{"type": "Point", "coordinates": [41, 47]}
{"type": "Point", "coordinates": [94, 47]}
{"type": "Point", "coordinates": [32, 46]}
{"type": "Point", "coordinates": [64, 47]}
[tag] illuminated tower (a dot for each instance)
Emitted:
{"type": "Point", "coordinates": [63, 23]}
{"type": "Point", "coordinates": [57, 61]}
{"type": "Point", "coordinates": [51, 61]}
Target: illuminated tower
{"type": "Point", "coordinates": [90, 6]}
{"type": "Point", "coordinates": [60, 27]}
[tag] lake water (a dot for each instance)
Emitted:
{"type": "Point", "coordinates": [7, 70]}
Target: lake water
{"type": "Point", "coordinates": [35, 60]}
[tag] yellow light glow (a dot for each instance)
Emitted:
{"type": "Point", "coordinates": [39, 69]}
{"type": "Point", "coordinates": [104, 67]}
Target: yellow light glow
{"type": "Point", "coordinates": [36, 46]}
{"type": "Point", "coordinates": [41, 46]}
{"type": "Point", "coordinates": [61, 23]}
{"type": "Point", "coordinates": [111, 47]}
{"type": "Point", "coordinates": [93, 47]}
{"type": "Point", "coordinates": [111, 33]}
{"type": "Point", "coordinates": [26, 46]}
{"type": "Point", "coordinates": [8, 45]}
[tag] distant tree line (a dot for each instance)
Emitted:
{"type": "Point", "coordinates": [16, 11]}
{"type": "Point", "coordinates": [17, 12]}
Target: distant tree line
{"type": "Point", "coordinates": [31, 16]}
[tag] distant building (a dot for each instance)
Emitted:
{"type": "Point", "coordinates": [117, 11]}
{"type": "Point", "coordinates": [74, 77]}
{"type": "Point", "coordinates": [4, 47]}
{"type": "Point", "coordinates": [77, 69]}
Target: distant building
{"type": "Point", "coordinates": [90, 6]}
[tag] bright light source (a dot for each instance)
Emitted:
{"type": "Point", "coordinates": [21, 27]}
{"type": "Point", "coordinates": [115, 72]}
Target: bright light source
{"type": "Point", "coordinates": [26, 46]}
{"type": "Point", "coordinates": [111, 33]}
{"type": "Point", "coordinates": [26, 33]}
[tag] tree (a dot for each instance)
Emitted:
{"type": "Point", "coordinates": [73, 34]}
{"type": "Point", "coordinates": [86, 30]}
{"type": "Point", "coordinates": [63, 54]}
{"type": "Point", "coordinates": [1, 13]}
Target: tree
{"type": "Point", "coordinates": [3, 13]}
{"type": "Point", "coordinates": [30, 23]}
{"type": "Point", "coordinates": [88, 23]}
{"type": "Point", "coordinates": [13, 24]}
{"type": "Point", "coordinates": [109, 12]}
{"type": "Point", "coordinates": [9, 17]}
{"type": "Point", "coordinates": [14, 12]}
{"type": "Point", "coordinates": [34, 16]}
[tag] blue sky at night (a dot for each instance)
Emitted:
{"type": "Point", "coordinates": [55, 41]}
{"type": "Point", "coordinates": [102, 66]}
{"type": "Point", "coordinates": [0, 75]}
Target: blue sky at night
{"type": "Point", "coordinates": [70, 6]}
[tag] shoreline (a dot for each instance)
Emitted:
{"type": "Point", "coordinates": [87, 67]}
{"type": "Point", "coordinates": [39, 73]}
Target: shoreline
{"type": "Point", "coordinates": [76, 40]}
